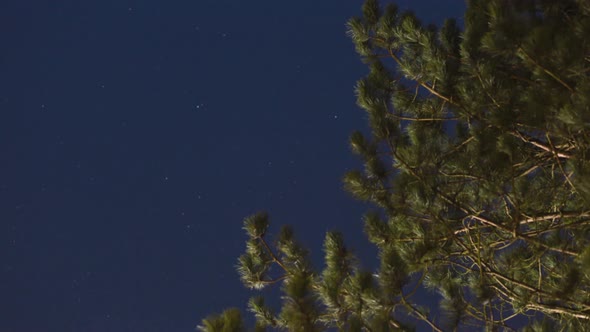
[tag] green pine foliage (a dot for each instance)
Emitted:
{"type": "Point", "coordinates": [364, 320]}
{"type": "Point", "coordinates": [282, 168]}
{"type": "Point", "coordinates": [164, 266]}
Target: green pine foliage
{"type": "Point", "coordinates": [228, 321]}
{"type": "Point", "coordinates": [478, 164]}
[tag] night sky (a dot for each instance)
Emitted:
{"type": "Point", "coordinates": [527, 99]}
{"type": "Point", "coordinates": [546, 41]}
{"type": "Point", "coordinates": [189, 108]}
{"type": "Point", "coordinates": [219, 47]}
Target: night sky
{"type": "Point", "coordinates": [135, 136]}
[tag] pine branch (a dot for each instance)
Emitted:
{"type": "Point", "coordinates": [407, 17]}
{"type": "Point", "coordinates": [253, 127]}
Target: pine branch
{"type": "Point", "coordinates": [491, 272]}
{"type": "Point", "coordinates": [555, 154]}
{"type": "Point", "coordinates": [553, 216]}
{"type": "Point", "coordinates": [547, 71]}
{"type": "Point", "coordinates": [540, 145]}
{"type": "Point", "coordinates": [399, 117]}
{"type": "Point", "coordinates": [420, 315]}
{"type": "Point", "coordinates": [422, 83]}
{"type": "Point", "coordinates": [272, 255]}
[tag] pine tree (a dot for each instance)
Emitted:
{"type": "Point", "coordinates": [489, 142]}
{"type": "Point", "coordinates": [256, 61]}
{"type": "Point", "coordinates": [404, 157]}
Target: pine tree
{"type": "Point", "coordinates": [478, 164]}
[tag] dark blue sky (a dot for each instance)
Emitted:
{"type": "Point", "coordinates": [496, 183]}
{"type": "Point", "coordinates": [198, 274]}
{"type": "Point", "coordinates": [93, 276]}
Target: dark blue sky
{"type": "Point", "coordinates": [136, 135]}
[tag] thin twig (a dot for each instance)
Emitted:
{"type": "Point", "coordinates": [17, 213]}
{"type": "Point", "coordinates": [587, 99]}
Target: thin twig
{"type": "Point", "coordinates": [547, 71]}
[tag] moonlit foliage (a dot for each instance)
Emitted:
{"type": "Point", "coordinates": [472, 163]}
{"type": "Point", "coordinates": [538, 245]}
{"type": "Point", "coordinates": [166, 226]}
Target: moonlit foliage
{"type": "Point", "coordinates": [478, 165]}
